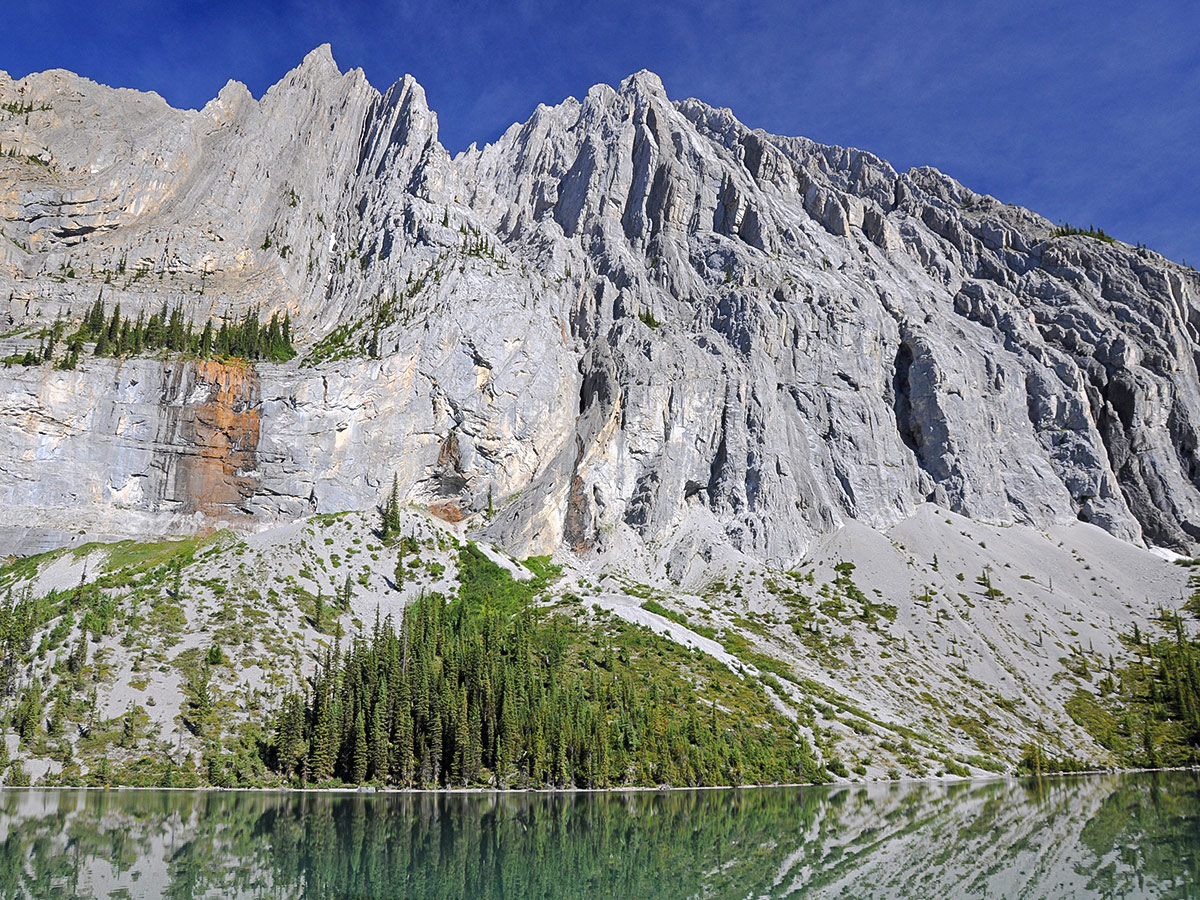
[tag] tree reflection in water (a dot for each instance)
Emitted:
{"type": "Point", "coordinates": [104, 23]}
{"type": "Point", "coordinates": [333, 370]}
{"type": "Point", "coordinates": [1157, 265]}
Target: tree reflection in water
{"type": "Point", "coordinates": [1132, 835]}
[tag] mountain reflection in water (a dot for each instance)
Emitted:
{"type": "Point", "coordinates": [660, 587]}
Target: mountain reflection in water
{"type": "Point", "coordinates": [1135, 835]}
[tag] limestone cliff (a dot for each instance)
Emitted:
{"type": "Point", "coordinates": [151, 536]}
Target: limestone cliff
{"type": "Point", "coordinates": [627, 316]}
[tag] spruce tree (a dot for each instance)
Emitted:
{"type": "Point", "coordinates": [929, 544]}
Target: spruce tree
{"type": "Point", "coordinates": [378, 737]}
{"type": "Point", "coordinates": [390, 517]}
{"type": "Point", "coordinates": [360, 756]}
{"type": "Point", "coordinates": [398, 574]}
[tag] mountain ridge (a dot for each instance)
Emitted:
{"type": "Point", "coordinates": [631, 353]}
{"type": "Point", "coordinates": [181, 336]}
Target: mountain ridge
{"type": "Point", "coordinates": [693, 217]}
{"type": "Point", "coordinates": [713, 372]}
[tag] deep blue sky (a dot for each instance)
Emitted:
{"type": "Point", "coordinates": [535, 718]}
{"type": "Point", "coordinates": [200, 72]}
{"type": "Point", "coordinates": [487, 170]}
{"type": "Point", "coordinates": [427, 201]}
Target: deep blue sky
{"type": "Point", "coordinates": [1085, 111]}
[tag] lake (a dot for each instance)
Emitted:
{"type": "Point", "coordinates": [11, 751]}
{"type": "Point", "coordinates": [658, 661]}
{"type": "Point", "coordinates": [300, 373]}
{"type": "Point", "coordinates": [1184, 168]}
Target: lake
{"type": "Point", "coordinates": [1130, 835]}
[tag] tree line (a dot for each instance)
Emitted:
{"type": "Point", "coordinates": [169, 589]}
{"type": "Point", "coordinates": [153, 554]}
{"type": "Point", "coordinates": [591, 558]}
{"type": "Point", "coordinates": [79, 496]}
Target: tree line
{"type": "Point", "coordinates": [168, 329]}
{"type": "Point", "coordinates": [171, 330]}
{"type": "Point", "coordinates": [489, 688]}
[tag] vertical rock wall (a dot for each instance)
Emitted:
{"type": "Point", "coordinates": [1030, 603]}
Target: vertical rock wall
{"type": "Point", "coordinates": [626, 315]}
{"type": "Point", "coordinates": [209, 441]}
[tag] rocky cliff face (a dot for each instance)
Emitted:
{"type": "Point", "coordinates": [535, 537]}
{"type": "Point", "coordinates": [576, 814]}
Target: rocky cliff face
{"type": "Point", "coordinates": [628, 316]}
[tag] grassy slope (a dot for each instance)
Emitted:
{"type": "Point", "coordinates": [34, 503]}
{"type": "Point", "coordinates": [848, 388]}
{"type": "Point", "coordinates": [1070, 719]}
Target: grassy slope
{"type": "Point", "coordinates": [126, 641]}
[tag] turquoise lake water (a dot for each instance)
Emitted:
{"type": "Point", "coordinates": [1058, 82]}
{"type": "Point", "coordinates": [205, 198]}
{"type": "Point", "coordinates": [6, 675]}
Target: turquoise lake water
{"type": "Point", "coordinates": [1128, 836]}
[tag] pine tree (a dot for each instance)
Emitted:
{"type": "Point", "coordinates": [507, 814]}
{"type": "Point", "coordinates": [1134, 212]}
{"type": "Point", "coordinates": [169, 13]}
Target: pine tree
{"type": "Point", "coordinates": [200, 701]}
{"type": "Point", "coordinates": [398, 574]}
{"type": "Point", "coordinates": [400, 761]}
{"type": "Point", "coordinates": [361, 756]}
{"type": "Point", "coordinates": [322, 746]}
{"type": "Point", "coordinates": [474, 751]}
{"type": "Point", "coordinates": [506, 749]}
{"type": "Point", "coordinates": [460, 772]}
{"type": "Point", "coordinates": [378, 738]}
{"type": "Point", "coordinates": [390, 516]}
{"type": "Point", "coordinates": [95, 318]}
{"type": "Point", "coordinates": [289, 735]}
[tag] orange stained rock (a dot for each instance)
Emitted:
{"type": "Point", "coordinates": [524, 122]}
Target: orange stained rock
{"type": "Point", "coordinates": [216, 435]}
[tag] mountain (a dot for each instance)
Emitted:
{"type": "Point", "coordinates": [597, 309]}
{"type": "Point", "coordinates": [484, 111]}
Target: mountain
{"type": "Point", "coordinates": [679, 354]}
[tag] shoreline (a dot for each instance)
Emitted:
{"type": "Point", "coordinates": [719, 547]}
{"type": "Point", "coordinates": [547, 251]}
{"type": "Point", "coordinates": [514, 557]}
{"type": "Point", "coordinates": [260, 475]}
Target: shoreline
{"type": "Point", "coordinates": [632, 789]}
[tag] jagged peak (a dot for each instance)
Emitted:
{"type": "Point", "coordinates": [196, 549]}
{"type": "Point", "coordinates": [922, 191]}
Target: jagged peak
{"type": "Point", "coordinates": [599, 93]}
{"type": "Point", "coordinates": [318, 59]}
{"type": "Point", "coordinates": [563, 113]}
{"type": "Point", "coordinates": [408, 90]}
{"type": "Point", "coordinates": [407, 102]}
{"type": "Point", "coordinates": [717, 123]}
{"type": "Point", "coordinates": [232, 93]}
{"type": "Point", "coordinates": [643, 83]}
{"type": "Point", "coordinates": [544, 116]}
{"type": "Point", "coordinates": [316, 69]}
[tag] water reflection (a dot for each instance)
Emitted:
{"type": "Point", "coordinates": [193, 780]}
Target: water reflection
{"type": "Point", "coordinates": [1094, 836]}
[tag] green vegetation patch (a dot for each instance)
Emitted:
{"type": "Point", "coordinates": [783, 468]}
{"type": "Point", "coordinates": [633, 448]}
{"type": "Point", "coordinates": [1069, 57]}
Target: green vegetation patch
{"type": "Point", "coordinates": [738, 646]}
{"type": "Point", "coordinates": [490, 688]}
{"type": "Point", "coordinates": [1065, 229]}
{"type": "Point", "coordinates": [1147, 712]}
{"type": "Point", "coordinates": [140, 556]}
{"type": "Point", "coordinates": [679, 619]}
{"type": "Point", "coordinates": [169, 330]}
{"type": "Point", "coordinates": [25, 568]}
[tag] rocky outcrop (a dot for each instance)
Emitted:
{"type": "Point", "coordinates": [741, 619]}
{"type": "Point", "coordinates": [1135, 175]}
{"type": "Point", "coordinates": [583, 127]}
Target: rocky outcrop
{"type": "Point", "coordinates": [178, 438]}
{"type": "Point", "coordinates": [626, 315]}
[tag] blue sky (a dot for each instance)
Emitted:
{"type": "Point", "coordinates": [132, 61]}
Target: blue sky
{"type": "Point", "coordinates": [1086, 112]}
